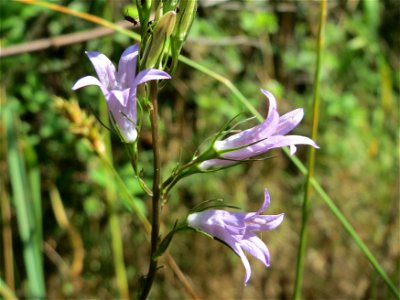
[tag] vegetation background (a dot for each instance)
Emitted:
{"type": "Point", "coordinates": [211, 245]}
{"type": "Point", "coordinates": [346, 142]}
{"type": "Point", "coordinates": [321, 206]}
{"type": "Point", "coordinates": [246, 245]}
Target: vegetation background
{"type": "Point", "coordinates": [268, 44]}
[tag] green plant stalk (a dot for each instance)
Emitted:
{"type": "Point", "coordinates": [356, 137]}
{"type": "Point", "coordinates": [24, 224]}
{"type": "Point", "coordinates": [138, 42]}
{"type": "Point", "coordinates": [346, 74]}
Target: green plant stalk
{"type": "Point", "coordinates": [155, 221]}
{"type": "Point", "coordinates": [299, 165]}
{"type": "Point", "coordinates": [111, 196]}
{"type": "Point", "coordinates": [33, 176]}
{"type": "Point", "coordinates": [311, 154]}
{"type": "Point", "coordinates": [25, 213]}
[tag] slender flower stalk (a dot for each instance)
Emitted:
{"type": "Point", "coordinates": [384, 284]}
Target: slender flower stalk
{"type": "Point", "coordinates": [311, 158]}
{"type": "Point", "coordinates": [237, 230]}
{"type": "Point", "coordinates": [155, 222]}
{"type": "Point", "coordinates": [270, 134]}
{"type": "Point", "coordinates": [119, 88]}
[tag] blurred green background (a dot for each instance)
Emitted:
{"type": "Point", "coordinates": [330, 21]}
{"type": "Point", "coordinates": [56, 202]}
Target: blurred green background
{"type": "Point", "coordinates": [268, 44]}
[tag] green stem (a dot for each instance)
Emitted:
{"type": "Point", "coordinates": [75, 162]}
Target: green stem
{"type": "Point", "coordinates": [311, 155]}
{"type": "Point", "coordinates": [155, 228]}
{"type": "Point", "coordinates": [118, 255]}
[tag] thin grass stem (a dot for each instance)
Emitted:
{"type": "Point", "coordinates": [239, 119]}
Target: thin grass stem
{"type": "Point", "coordinates": [311, 155]}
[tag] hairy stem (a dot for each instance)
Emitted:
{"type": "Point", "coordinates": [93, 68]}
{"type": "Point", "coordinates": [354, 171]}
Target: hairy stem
{"type": "Point", "coordinates": [155, 228]}
{"type": "Point", "coordinates": [311, 161]}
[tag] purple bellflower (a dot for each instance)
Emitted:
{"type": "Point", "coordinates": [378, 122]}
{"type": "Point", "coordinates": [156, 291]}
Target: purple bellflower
{"type": "Point", "coordinates": [119, 87]}
{"type": "Point", "coordinates": [237, 230]}
{"type": "Point", "coordinates": [261, 138]}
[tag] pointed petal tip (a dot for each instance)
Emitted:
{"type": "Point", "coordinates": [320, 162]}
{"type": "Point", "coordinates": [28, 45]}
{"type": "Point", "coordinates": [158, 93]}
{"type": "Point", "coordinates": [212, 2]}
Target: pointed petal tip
{"type": "Point", "coordinates": [267, 93]}
{"type": "Point", "coordinates": [280, 219]}
{"type": "Point", "coordinates": [150, 74]}
{"type": "Point", "coordinates": [293, 149]}
{"type": "Point", "coordinates": [267, 201]}
{"type": "Point", "coordinates": [86, 81]}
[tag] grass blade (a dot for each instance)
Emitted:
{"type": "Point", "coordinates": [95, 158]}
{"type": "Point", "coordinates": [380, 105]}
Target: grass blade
{"type": "Point", "coordinates": [311, 155]}
{"type": "Point", "coordinates": [25, 210]}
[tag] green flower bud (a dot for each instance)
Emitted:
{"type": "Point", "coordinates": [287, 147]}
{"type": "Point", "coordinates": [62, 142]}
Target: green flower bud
{"type": "Point", "coordinates": [159, 37]}
{"type": "Point", "coordinates": [186, 15]}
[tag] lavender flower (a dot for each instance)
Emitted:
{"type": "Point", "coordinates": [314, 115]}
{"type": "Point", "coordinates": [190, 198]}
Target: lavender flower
{"type": "Point", "coordinates": [238, 229]}
{"type": "Point", "coordinates": [119, 87]}
{"type": "Point", "coordinates": [261, 138]}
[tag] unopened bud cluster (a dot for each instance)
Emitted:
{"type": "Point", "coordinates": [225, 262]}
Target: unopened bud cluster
{"type": "Point", "coordinates": [165, 28]}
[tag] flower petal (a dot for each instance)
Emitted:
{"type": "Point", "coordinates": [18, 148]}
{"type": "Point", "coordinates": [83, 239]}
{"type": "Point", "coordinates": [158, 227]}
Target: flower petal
{"type": "Point", "coordinates": [287, 140]}
{"type": "Point", "coordinates": [272, 103]}
{"type": "Point", "coordinates": [256, 247]}
{"type": "Point", "coordinates": [127, 66]}
{"type": "Point", "coordinates": [121, 96]}
{"type": "Point", "coordinates": [148, 75]}
{"type": "Point", "coordinates": [272, 142]}
{"type": "Point", "coordinates": [263, 207]}
{"type": "Point", "coordinates": [267, 201]}
{"type": "Point", "coordinates": [256, 133]}
{"type": "Point", "coordinates": [236, 247]}
{"type": "Point", "coordinates": [104, 68]}
{"type": "Point", "coordinates": [205, 165]}
{"type": "Point", "coordinates": [289, 121]}
{"type": "Point", "coordinates": [218, 223]}
{"type": "Point", "coordinates": [123, 118]}
{"type": "Point", "coordinates": [293, 149]}
{"type": "Point", "coordinates": [89, 80]}
{"type": "Point", "coordinates": [263, 222]}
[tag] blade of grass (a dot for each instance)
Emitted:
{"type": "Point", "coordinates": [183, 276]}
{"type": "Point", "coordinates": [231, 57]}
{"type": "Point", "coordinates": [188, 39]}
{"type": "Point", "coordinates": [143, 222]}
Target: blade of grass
{"type": "Point", "coordinates": [33, 180]}
{"type": "Point", "coordinates": [301, 167]}
{"type": "Point", "coordinates": [5, 207]}
{"type": "Point", "coordinates": [311, 154]}
{"type": "Point", "coordinates": [28, 229]}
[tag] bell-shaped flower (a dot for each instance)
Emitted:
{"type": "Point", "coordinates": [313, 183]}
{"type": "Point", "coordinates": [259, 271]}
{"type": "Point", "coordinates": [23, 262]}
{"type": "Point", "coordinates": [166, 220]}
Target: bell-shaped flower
{"type": "Point", "coordinates": [119, 88]}
{"type": "Point", "coordinates": [237, 230]}
{"type": "Point", "coordinates": [261, 138]}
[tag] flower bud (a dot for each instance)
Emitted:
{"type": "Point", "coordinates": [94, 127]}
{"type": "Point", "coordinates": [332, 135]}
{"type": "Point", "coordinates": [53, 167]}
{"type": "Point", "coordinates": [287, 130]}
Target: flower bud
{"type": "Point", "coordinates": [185, 17]}
{"type": "Point", "coordinates": [162, 31]}
{"type": "Point", "coordinates": [186, 14]}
